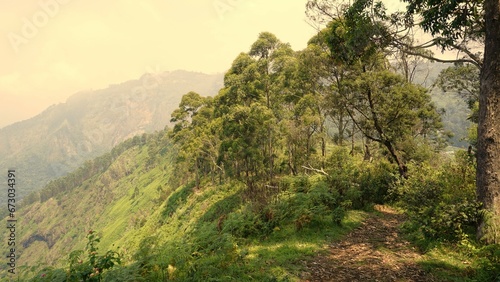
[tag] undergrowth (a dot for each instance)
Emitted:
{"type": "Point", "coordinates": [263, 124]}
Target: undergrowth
{"type": "Point", "coordinates": [443, 216]}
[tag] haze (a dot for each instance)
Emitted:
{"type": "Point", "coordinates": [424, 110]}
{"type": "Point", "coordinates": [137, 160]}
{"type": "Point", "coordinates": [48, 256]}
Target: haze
{"type": "Point", "coordinates": [51, 49]}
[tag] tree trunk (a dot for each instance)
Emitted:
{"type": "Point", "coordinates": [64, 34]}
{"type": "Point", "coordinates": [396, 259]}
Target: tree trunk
{"type": "Point", "coordinates": [401, 166]}
{"type": "Point", "coordinates": [488, 150]}
{"type": "Point", "coordinates": [340, 140]}
{"type": "Point", "coordinates": [197, 174]}
{"type": "Point", "coordinates": [323, 144]}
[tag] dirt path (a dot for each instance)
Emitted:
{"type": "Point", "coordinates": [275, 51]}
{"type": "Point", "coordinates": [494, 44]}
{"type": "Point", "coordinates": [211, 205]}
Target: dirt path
{"type": "Point", "coordinates": [372, 252]}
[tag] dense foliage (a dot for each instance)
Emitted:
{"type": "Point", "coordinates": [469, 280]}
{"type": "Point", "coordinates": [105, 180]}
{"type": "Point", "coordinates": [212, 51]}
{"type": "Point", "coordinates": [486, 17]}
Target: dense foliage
{"type": "Point", "coordinates": [251, 181]}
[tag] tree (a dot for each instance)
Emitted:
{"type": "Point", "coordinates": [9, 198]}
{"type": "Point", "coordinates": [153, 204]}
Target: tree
{"type": "Point", "coordinates": [391, 111]}
{"type": "Point", "coordinates": [461, 25]}
{"type": "Point", "coordinates": [192, 120]}
{"type": "Point", "coordinates": [314, 90]}
{"type": "Point", "coordinates": [271, 58]}
{"type": "Point", "coordinates": [462, 79]}
{"type": "Point", "coordinates": [244, 142]}
{"type": "Point", "coordinates": [247, 122]}
{"type": "Point", "coordinates": [488, 151]}
{"type": "Point", "coordinates": [319, 74]}
{"type": "Point", "coordinates": [455, 24]}
{"type": "Point", "coordinates": [384, 106]}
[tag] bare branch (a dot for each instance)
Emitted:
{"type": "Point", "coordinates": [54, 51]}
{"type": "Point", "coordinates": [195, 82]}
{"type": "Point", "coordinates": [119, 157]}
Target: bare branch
{"type": "Point", "coordinates": [471, 55]}
{"type": "Point", "coordinates": [315, 170]}
{"type": "Point", "coordinates": [432, 58]}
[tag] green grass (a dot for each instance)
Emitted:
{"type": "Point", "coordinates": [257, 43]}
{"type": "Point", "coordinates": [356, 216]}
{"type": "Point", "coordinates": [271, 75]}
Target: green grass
{"type": "Point", "coordinates": [466, 260]}
{"type": "Point", "coordinates": [447, 263]}
{"type": "Point", "coordinates": [286, 248]}
{"type": "Point", "coordinates": [187, 239]}
{"type": "Point", "coordinates": [457, 263]}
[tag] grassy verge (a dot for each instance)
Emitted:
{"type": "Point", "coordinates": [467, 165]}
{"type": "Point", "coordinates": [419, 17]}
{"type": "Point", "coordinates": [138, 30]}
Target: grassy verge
{"type": "Point", "coordinates": [281, 256]}
{"type": "Point", "coordinates": [463, 262]}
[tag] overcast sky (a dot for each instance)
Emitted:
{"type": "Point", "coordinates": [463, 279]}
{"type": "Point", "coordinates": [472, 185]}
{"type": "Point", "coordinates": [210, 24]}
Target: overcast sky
{"type": "Point", "coordinates": [51, 49]}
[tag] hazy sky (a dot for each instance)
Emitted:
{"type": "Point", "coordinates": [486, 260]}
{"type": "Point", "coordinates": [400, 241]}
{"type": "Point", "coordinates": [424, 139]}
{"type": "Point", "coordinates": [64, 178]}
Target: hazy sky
{"type": "Point", "coordinates": [50, 49]}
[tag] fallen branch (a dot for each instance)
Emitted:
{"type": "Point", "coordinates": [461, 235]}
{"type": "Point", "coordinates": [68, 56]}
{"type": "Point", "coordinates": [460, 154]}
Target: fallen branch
{"type": "Point", "coordinates": [316, 170]}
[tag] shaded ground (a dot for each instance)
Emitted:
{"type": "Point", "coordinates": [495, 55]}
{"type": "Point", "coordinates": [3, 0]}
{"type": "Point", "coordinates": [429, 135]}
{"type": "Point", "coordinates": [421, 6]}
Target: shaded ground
{"type": "Point", "coordinates": [374, 251]}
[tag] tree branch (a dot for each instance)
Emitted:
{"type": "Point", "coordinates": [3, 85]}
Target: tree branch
{"type": "Point", "coordinates": [315, 170]}
{"type": "Point", "coordinates": [432, 58]}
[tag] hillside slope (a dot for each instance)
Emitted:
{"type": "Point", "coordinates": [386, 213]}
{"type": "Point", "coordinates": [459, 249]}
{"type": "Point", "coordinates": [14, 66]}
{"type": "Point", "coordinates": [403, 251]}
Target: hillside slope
{"type": "Point", "coordinates": [112, 194]}
{"type": "Point", "coordinates": [90, 123]}
{"type": "Point", "coordinates": [163, 226]}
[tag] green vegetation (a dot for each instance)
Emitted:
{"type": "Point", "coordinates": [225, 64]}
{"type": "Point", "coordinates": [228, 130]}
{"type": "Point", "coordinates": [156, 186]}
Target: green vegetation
{"type": "Point", "coordinates": [439, 199]}
{"type": "Point", "coordinates": [197, 234]}
{"type": "Point", "coordinates": [65, 136]}
{"type": "Point", "coordinates": [291, 154]}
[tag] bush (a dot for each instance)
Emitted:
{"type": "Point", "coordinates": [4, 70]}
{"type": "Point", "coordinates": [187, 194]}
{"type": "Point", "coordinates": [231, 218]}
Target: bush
{"type": "Point", "coordinates": [312, 203]}
{"type": "Point", "coordinates": [375, 181]}
{"type": "Point", "coordinates": [93, 267]}
{"type": "Point", "coordinates": [80, 269]}
{"type": "Point", "coordinates": [307, 202]}
{"type": "Point", "coordinates": [245, 223]}
{"type": "Point", "coordinates": [441, 201]}
{"type": "Point", "coordinates": [359, 183]}
{"type": "Point", "coordinates": [124, 274]}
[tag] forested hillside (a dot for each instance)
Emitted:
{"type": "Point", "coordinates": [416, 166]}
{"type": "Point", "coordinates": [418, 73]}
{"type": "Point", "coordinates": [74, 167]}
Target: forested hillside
{"type": "Point", "coordinates": [91, 123]}
{"type": "Point", "coordinates": [254, 183]}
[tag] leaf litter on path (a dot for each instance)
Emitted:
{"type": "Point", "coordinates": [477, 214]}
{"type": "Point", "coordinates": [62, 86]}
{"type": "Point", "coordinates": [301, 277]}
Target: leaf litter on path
{"type": "Point", "coordinates": [375, 251]}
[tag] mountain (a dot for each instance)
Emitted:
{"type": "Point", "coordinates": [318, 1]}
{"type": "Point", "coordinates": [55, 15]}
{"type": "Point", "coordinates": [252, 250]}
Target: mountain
{"type": "Point", "coordinates": [90, 123]}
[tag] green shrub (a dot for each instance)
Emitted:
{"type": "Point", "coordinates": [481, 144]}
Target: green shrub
{"type": "Point", "coordinates": [243, 223]}
{"type": "Point", "coordinates": [131, 273]}
{"type": "Point", "coordinates": [81, 269]}
{"type": "Point", "coordinates": [342, 170]}
{"type": "Point", "coordinates": [93, 267]}
{"type": "Point", "coordinates": [375, 181]}
{"type": "Point", "coordinates": [440, 201]}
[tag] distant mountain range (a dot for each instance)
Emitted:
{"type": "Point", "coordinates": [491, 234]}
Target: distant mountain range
{"type": "Point", "coordinates": [90, 123]}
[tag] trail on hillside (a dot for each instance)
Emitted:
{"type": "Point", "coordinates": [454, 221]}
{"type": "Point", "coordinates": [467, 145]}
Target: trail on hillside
{"type": "Point", "coordinates": [375, 251]}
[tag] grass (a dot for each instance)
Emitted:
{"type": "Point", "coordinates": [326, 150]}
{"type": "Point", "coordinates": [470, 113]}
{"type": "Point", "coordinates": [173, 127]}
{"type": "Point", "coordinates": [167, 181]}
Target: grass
{"type": "Point", "coordinates": [466, 260]}
{"type": "Point", "coordinates": [461, 263]}
{"type": "Point", "coordinates": [183, 236]}
{"type": "Point", "coordinates": [447, 263]}
{"type": "Point", "coordinates": [286, 249]}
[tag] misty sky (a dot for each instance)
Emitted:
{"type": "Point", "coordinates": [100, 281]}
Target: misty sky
{"type": "Point", "coordinates": [51, 49]}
